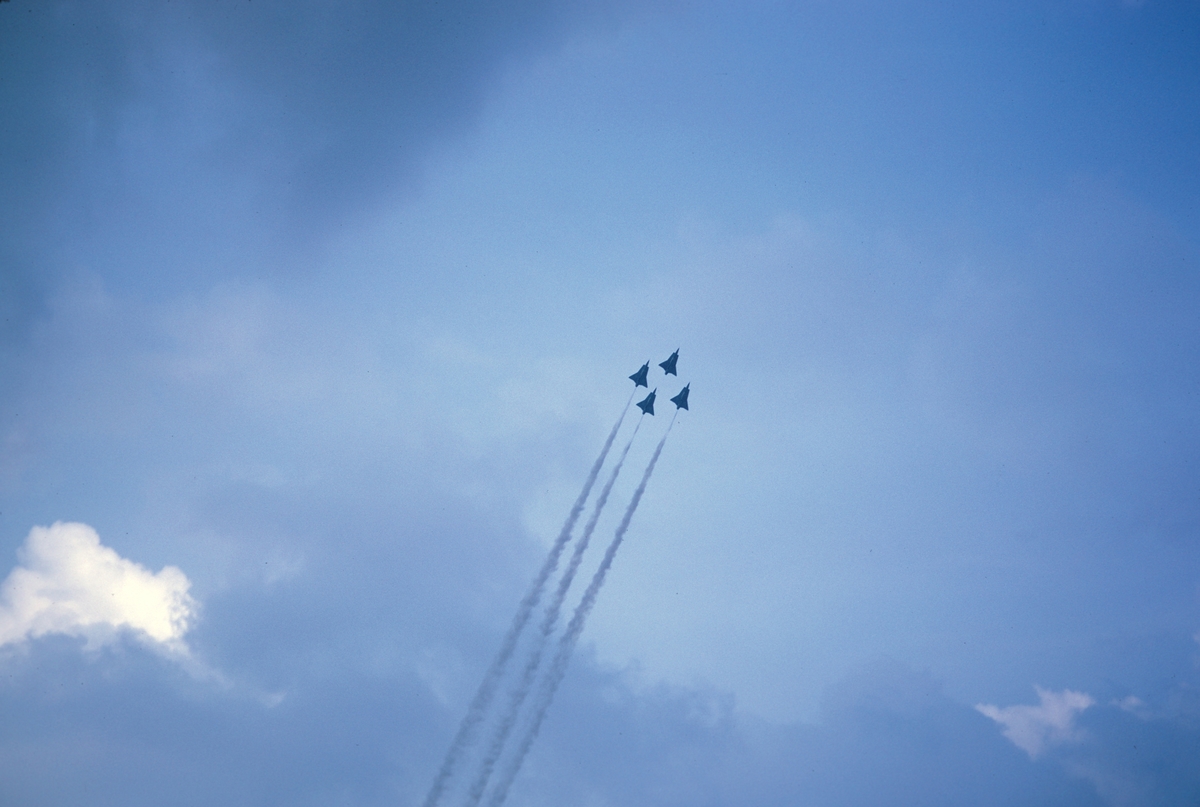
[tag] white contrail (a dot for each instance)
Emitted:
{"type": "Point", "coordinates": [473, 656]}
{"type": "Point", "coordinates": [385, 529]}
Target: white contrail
{"type": "Point", "coordinates": [549, 623]}
{"type": "Point", "coordinates": [566, 644]}
{"type": "Point", "coordinates": [487, 688]}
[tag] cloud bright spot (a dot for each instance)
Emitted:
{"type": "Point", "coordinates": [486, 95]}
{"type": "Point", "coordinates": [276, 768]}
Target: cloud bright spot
{"type": "Point", "coordinates": [68, 582]}
{"type": "Point", "coordinates": [1033, 729]}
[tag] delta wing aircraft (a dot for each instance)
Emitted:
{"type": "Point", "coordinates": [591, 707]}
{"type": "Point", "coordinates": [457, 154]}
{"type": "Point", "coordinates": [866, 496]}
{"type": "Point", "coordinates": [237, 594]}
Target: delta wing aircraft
{"type": "Point", "coordinates": [680, 400]}
{"type": "Point", "coordinates": [669, 365]}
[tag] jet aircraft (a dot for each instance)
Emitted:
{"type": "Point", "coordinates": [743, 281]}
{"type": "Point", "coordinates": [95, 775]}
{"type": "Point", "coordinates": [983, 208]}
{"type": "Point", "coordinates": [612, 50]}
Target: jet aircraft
{"type": "Point", "coordinates": [680, 400]}
{"type": "Point", "coordinates": [639, 378]}
{"type": "Point", "coordinates": [669, 365]}
{"type": "Point", "coordinates": [647, 406]}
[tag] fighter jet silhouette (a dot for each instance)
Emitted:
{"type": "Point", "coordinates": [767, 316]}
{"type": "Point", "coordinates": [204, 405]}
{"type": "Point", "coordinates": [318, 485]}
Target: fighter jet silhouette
{"type": "Point", "coordinates": [669, 365]}
{"type": "Point", "coordinates": [639, 378]}
{"type": "Point", "coordinates": [647, 406]}
{"type": "Point", "coordinates": [680, 400]}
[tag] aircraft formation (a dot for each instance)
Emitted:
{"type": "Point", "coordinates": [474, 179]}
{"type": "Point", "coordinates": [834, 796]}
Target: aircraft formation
{"type": "Point", "coordinates": [639, 379]}
{"type": "Point", "coordinates": [515, 724]}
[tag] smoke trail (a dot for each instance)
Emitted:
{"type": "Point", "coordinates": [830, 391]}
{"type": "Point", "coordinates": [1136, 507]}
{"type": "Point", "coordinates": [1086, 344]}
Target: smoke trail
{"type": "Point", "coordinates": [549, 622]}
{"type": "Point", "coordinates": [491, 679]}
{"type": "Point", "coordinates": [566, 644]}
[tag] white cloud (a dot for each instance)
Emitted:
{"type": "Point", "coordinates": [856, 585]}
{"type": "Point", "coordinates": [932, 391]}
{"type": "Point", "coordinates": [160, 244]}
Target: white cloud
{"type": "Point", "coordinates": [1132, 704]}
{"type": "Point", "coordinates": [68, 582]}
{"type": "Point", "coordinates": [1033, 729]}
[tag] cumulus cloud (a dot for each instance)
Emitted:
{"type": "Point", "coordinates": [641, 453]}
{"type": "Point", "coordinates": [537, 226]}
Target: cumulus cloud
{"type": "Point", "coordinates": [68, 582]}
{"type": "Point", "coordinates": [1033, 729]}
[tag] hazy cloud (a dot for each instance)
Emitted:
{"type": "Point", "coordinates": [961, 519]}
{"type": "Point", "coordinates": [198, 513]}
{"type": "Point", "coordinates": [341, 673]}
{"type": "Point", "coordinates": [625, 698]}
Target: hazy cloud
{"type": "Point", "coordinates": [70, 583]}
{"type": "Point", "coordinates": [1033, 729]}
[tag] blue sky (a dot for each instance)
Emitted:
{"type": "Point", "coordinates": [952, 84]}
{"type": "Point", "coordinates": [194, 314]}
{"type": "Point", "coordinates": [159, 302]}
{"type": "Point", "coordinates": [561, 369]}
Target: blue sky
{"type": "Point", "coordinates": [314, 316]}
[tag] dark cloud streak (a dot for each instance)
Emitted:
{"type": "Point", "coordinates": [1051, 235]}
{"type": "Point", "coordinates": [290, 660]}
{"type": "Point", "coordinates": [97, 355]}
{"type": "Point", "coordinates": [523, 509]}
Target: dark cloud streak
{"type": "Point", "coordinates": [264, 123]}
